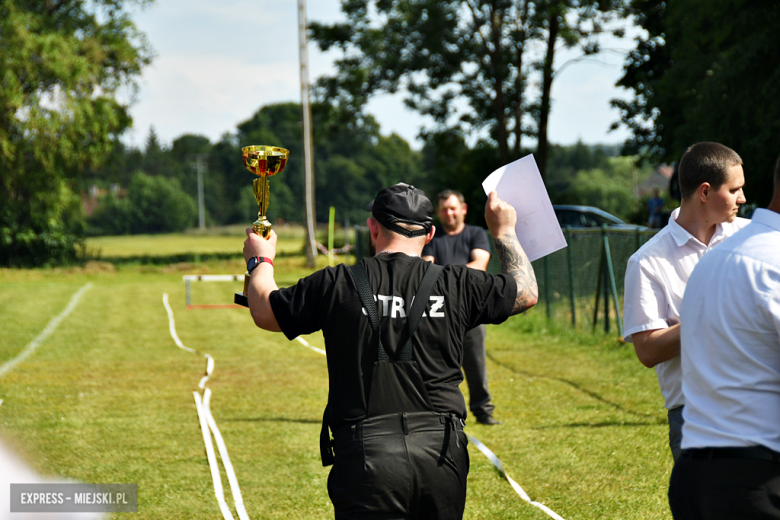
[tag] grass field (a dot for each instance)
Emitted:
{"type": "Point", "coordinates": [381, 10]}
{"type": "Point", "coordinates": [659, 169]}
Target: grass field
{"type": "Point", "coordinates": [224, 239]}
{"type": "Point", "coordinates": [108, 398]}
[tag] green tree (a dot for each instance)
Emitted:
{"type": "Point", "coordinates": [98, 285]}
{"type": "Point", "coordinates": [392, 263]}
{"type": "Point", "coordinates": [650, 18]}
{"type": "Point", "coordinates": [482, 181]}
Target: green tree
{"type": "Point", "coordinates": [61, 66]}
{"type": "Point", "coordinates": [154, 204]}
{"type": "Point", "coordinates": [159, 205]}
{"type": "Point", "coordinates": [157, 160]}
{"type": "Point", "coordinates": [445, 51]}
{"type": "Point", "coordinates": [181, 161]}
{"type": "Point", "coordinates": [117, 168]}
{"type": "Point", "coordinates": [706, 71]}
{"type": "Point", "coordinates": [603, 188]}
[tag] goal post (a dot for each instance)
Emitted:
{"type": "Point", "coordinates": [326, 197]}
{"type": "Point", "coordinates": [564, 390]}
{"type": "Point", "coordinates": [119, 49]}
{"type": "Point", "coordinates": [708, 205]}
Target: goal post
{"type": "Point", "coordinates": [189, 278]}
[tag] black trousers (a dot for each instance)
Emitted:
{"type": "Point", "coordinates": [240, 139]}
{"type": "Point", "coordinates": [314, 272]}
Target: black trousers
{"type": "Point", "coordinates": [711, 485]}
{"type": "Point", "coordinates": [388, 470]}
{"type": "Point", "coordinates": [475, 370]}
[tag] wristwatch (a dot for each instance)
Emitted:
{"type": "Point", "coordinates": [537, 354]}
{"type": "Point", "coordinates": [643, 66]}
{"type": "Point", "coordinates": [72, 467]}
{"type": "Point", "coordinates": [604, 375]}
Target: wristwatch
{"type": "Point", "coordinates": [255, 261]}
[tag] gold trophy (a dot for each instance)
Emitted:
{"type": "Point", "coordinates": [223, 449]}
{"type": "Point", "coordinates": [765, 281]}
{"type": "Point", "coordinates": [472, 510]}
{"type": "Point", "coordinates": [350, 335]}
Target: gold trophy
{"type": "Point", "coordinates": [263, 161]}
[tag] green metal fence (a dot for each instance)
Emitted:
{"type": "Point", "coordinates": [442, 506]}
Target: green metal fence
{"type": "Point", "coordinates": [582, 284]}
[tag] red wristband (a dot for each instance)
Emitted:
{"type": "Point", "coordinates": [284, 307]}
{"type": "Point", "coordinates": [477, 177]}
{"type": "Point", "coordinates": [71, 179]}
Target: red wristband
{"type": "Point", "coordinates": [257, 260]}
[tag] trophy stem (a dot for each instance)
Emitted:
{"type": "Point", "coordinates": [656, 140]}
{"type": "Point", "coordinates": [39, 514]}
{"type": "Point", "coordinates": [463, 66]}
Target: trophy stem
{"type": "Point", "coordinates": [262, 189]}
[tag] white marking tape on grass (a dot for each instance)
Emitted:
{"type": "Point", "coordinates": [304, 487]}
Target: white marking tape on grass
{"type": "Point", "coordinates": [208, 427]}
{"type": "Point", "coordinates": [306, 344]}
{"type": "Point", "coordinates": [223, 453]}
{"type": "Point", "coordinates": [175, 336]}
{"type": "Point", "coordinates": [204, 428]}
{"type": "Point", "coordinates": [51, 327]}
{"type": "Point", "coordinates": [497, 463]}
{"type": "Point", "coordinates": [490, 455]}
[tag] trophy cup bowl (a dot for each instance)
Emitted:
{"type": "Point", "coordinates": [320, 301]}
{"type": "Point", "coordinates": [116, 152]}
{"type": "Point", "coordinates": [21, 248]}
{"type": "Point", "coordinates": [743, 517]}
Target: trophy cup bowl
{"type": "Point", "coordinates": [264, 161]}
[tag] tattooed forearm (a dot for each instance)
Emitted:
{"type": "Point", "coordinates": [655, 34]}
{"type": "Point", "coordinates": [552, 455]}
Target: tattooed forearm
{"type": "Point", "coordinates": [515, 263]}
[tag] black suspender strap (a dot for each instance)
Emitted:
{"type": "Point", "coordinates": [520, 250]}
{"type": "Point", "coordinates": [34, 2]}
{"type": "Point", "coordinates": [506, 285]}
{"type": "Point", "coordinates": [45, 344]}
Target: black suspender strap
{"type": "Point", "coordinates": [367, 298]}
{"type": "Point", "coordinates": [418, 308]}
{"type": "Point", "coordinates": [371, 306]}
{"type": "Point", "coordinates": [415, 313]}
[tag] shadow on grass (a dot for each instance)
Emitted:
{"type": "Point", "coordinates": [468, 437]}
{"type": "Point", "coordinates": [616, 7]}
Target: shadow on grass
{"type": "Point", "coordinates": [573, 384]}
{"type": "Point", "coordinates": [274, 419]}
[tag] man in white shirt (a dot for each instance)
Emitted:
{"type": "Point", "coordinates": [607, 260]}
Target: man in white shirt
{"type": "Point", "coordinates": [711, 181]}
{"type": "Point", "coordinates": [730, 463]}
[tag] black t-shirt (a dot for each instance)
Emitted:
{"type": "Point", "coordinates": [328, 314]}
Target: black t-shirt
{"type": "Point", "coordinates": [328, 300]}
{"type": "Point", "coordinates": [456, 249]}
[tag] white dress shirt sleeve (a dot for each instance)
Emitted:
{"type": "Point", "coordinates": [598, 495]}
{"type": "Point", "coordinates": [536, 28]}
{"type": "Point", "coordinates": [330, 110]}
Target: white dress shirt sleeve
{"type": "Point", "coordinates": [644, 302]}
{"type": "Point", "coordinates": [773, 307]}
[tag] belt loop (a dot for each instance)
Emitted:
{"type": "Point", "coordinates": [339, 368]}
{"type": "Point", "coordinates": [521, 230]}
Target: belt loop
{"type": "Point", "coordinates": [451, 422]}
{"type": "Point", "coordinates": [353, 431]}
{"type": "Point", "coordinates": [404, 423]}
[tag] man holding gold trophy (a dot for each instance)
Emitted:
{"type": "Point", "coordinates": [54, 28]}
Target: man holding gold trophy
{"type": "Point", "coordinates": [263, 161]}
{"type": "Point", "coordinates": [393, 326]}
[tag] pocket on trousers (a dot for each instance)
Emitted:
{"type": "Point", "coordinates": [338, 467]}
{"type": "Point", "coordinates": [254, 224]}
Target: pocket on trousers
{"type": "Point", "coordinates": [347, 481]}
{"type": "Point", "coordinates": [385, 460]}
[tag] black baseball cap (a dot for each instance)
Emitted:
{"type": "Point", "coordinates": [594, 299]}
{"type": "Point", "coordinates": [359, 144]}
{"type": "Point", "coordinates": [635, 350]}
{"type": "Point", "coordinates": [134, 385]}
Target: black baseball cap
{"type": "Point", "coordinates": [404, 204]}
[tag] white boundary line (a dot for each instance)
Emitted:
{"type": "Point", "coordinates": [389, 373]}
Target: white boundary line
{"type": "Point", "coordinates": [497, 463]}
{"type": "Point", "coordinates": [207, 423]}
{"type": "Point", "coordinates": [306, 344]}
{"type": "Point", "coordinates": [223, 454]}
{"type": "Point", "coordinates": [489, 454]}
{"type": "Point", "coordinates": [50, 328]}
{"type": "Point", "coordinates": [175, 336]}
{"type": "Point", "coordinates": [212, 458]}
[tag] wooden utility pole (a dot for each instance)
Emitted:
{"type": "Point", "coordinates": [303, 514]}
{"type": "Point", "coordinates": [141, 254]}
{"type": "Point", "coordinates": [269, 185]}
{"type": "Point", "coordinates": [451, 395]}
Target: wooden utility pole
{"type": "Point", "coordinates": [308, 149]}
{"type": "Point", "coordinates": [199, 165]}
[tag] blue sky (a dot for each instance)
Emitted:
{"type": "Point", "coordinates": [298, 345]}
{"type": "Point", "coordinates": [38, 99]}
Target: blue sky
{"type": "Point", "coordinates": [218, 62]}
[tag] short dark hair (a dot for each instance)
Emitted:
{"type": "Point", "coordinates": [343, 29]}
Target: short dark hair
{"type": "Point", "coordinates": [446, 194]}
{"type": "Point", "coordinates": [389, 233]}
{"type": "Point", "coordinates": [705, 162]}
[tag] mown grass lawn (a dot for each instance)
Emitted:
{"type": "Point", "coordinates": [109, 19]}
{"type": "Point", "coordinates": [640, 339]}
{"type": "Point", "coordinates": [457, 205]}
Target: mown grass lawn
{"type": "Point", "coordinates": [108, 398]}
{"type": "Point", "coordinates": [224, 239]}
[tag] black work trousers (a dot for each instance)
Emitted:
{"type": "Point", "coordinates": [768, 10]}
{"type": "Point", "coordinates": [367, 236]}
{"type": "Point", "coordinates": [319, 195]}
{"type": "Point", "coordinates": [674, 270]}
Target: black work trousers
{"type": "Point", "coordinates": [475, 370]}
{"type": "Point", "coordinates": [705, 485]}
{"type": "Point", "coordinates": [388, 468]}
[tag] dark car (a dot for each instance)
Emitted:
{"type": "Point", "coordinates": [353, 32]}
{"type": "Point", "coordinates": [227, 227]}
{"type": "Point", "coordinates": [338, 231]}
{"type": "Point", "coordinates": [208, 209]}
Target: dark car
{"type": "Point", "coordinates": [589, 217]}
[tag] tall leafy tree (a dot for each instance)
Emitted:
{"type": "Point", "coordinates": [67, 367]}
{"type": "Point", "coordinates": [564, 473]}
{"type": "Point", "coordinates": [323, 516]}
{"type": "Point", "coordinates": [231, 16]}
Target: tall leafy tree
{"type": "Point", "coordinates": [706, 71]}
{"type": "Point", "coordinates": [567, 23]}
{"type": "Point", "coordinates": [447, 51]}
{"type": "Point", "coordinates": [62, 63]}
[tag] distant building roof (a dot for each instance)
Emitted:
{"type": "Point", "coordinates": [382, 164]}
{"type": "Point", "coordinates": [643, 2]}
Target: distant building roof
{"type": "Point", "coordinates": [658, 179]}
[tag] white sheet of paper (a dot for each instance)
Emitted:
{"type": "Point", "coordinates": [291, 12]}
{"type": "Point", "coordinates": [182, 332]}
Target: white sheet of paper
{"type": "Point", "coordinates": [520, 184]}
